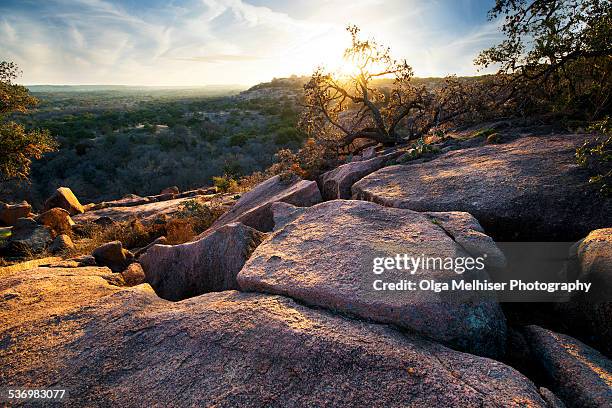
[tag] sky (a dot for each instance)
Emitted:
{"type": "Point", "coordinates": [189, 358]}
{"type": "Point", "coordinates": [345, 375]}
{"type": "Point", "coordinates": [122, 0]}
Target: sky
{"type": "Point", "coordinates": [244, 42]}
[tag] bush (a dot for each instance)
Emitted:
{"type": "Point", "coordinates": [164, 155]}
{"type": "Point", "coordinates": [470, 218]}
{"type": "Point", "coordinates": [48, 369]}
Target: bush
{"type": "Point", "coordinates": [225, 183]}
{"type": "Point", "coordinates": [200, 216]}
{"type": "Point", "coordinates": [419, 149]}
{"type": "Point", "coordinates": [287, 135]}
{"type": "Point", "coordinates": [597, 157]}
{"type": "Point", "coordinates": [238, 139]}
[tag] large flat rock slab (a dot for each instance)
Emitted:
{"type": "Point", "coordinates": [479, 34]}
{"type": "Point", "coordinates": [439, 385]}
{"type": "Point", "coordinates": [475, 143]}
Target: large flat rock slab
{"type": "Point", "coordinates": [126, 347]}
{"type": "Point", "coordinates": [529, 189]}
{"type": "Point", "coordinates": [324, 257]}
{"type": "Point", "coordinates": [146, 212]}
{"type": "Point", "coordinates": [579, 375]}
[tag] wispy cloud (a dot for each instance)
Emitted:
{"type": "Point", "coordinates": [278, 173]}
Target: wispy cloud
{"type": "Point", "coordinates": [193, 42]}
{"type": "Point", "coordinates": [219, 58]}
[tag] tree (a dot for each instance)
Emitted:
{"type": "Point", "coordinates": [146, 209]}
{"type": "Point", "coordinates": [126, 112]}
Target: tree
{"type": "Point", "coordinates": [18, 145]}
{"type": "Point", "coordinates": [558, 53]}
{"type": "Point", "coordinates": [377, 101]}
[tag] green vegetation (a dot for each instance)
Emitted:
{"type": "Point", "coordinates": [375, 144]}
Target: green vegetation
{"type": "Point", "coordinates": [199, 214]}
{"type": "Point", "coordinates": [485, 132]}
{"type": "Point", "coordinates": [556, 56]}
{"type": "Point", "coordinates": [419, 149]}
{"type": "Point", "coordinates": [597, 156]}
{"type": "Point", "coordinates": [225, 183]}
{"type": "Point", "coordinates": [116, 141]}
{"type": "Point", "coordinates": [18, 144]}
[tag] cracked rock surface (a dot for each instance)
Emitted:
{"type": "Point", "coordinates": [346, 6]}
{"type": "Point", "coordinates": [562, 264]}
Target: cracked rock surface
{"type": "Point", "coordinates": [324, 257]}
{"type": "Point", "coordinates": [114, 346]}
{"type": "Point", "coordinates": [526, 190]}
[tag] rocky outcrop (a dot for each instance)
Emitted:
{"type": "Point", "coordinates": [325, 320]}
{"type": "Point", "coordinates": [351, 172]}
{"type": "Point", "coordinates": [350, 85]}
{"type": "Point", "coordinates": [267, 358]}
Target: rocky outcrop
{"type": "Point", "coordinates": [113, 346]}
{"type": "Point", "coordinates": [254, 208]}
{"type": "Point", "coordinates": [146, 212]}
{"type": "Point", "coordinates": [64, 198]}
{"type": "Point", "coordinates": [579, 375]}
{"type": "Point", "coordinates": [57, 220]}
{"type": "Point", "coordinates": [10, 213]}
{"type": "Point", "coordinates": [207, 265]}
{"type": "Point", "coordinates": [526, 190]}
{"type": "Point", "coordinates": [130, 201]}
{"type": "Point", "coordinates": [28, 237]}
{"type": "Point", "coordinates": [113, 255]}
{"type": "Point", "coordinates": [170, 190]}
{"type": "Point", "coordinates": [61, 243]}
{"type": "Point", "coordinates": [325, 258]}
{"type": "Point", "coordinates": [198, 192]}
{"type": "Point", "coordinates": [337, 183]}
{"type": "Point", "coordinates": [133, 275]}
{"type": "Point", "coordinates": [589, 315]}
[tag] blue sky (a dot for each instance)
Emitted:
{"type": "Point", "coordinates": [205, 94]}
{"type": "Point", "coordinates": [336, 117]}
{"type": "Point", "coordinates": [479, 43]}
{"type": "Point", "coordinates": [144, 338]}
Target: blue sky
{"type": "Point", "coordinates": [200, 42]}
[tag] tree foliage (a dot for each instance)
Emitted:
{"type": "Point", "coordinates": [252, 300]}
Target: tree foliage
{"type": "Point", "coordinates": [557, 54]}
{"type": "Point", "coordinates": [18, 145]}
{"type": "Point", "coordinates": [378, 102]}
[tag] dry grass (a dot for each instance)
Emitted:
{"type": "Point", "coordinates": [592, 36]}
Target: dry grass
{"type": "Point", "coordinates": [193, 218]}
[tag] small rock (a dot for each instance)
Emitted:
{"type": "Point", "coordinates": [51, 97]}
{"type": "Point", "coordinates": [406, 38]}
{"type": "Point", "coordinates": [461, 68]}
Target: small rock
{"type": "Point", "coordinates": [85, 260]}
{"type": "Point", "coordinates": [368, 153]}
{"type": "Point", "coordinates": [113, 255]}
{"type": "Point", "coordinates": [9, 214]}
{"type": "Point", "coordinates": [57, 219]}
{"type": "Point", "coordinates": [61, 243]}
{"type": "Point", "coordinates": [133, 275]}
{"type": "Point", "coordinates": [64, 198]}
{"type": "Point", "coordinates": [28, 237]}
{"type": "Point", "coordinates": [170, 190]}
{"type": "Point", "coordinates": [88, 207]}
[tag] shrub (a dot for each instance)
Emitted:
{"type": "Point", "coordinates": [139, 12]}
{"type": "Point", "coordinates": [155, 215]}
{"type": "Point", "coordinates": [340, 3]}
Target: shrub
{"type": "Point", "coordinates": [200, 215]}
{"type": "Point", "coordinates": [247, 183]}
{"type": "Point", "coordinates": [238, 139]}
{"type": "Point", "coordinates": [225, 183]}
{"type": "Point", "coordinates": [419, 149]}
{"type": "Point", "coordinates": [597, 156]}
{"type": "Point", "coordinates": [287, 135]}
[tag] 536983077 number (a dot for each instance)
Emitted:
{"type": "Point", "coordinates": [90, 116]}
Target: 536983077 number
{"type": "Point", "coordinates": [12, 394]}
